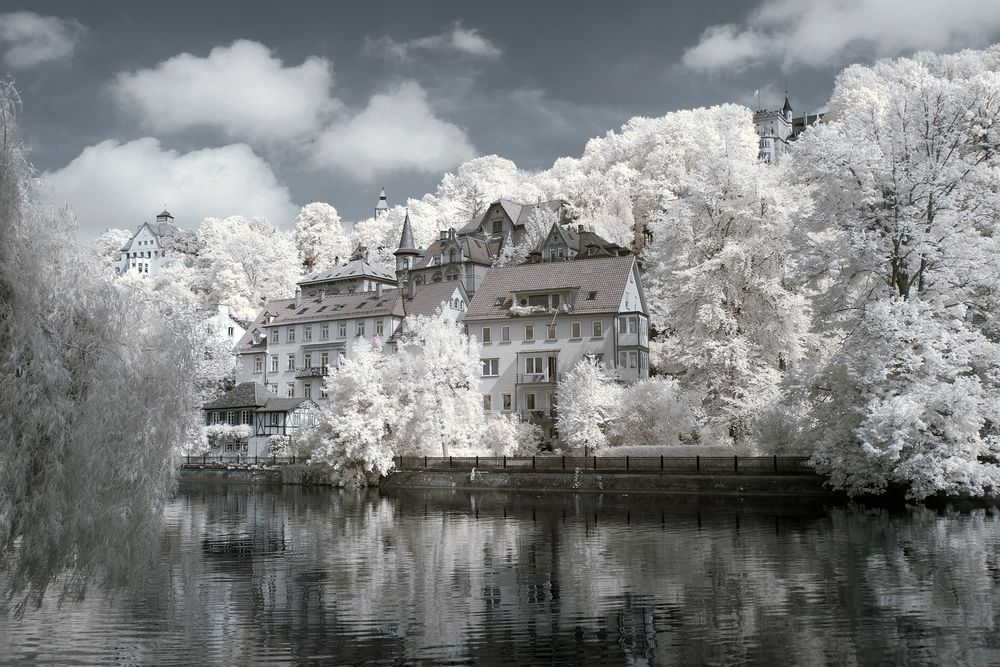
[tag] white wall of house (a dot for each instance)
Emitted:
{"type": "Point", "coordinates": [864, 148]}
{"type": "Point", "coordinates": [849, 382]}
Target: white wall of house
{"type": "Point", "coordinates": [143, 254]}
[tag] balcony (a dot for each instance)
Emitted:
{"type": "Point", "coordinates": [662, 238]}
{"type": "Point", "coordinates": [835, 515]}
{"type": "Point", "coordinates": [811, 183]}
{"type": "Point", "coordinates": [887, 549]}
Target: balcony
{"type": "Point", "coordinates": [312, 372]}
{"type": "Point", "coordinates": [536, 416]}
{"type": "Point", "coordinates": [538, 378]}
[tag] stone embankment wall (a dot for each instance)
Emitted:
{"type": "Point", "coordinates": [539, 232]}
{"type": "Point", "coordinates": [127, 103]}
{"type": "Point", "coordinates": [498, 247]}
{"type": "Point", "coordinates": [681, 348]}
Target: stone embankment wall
{"type": "Point", "coordinates": [610, 482]}
{"type": "Point", "coordinates": [282, 474]}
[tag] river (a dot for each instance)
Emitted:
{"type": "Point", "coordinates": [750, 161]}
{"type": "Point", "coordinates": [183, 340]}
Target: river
{"type": "Point", "coordinates": [286, 575]}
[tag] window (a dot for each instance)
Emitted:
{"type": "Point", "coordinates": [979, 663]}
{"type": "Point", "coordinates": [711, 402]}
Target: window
{"type": "Point", "coordinates": [529, 400]}
{"type": "Point", "coordinates": [598, 329]}
{"type": "Point", "coordinates": [229, 332]}
{"type": "Point", "coordinates": [491, 367]}
{"type": "Point", "coordinates": [295, 418]}
{"type": "Point", "coordinates": [307, 390]}
{"type": "Point", "coordinates": [487, 335]}
{"type": "Point", "coordinates": [246, 417]}
{"type": "Point", "coordinates": [216, 418]}
{"type": "Point", "coordinates": [231, 418]}
{"type": "Point", "coordinates": [628, 359]}
{"type": "Point", "coordinates": [591, 296]}
{"type": "Point", "coordinates": [290, 364]}
{"type": "Point", "coordinates": [274, 419]}
{"type": "Point", "coordinates": [597, 358]}
{"type": "Point", "coordinates": [643, 361]}
{"type": "Point", "coordinates": [322, 391]}
{"type": "Point", "coordinates": [274, 363]}
{"type": "Point", "coordinates": [274, 336]}
{"type": "Point", "coordinates": [529, 332]}
{"type": "Point", "coordinates": [498, 226]}
{"type": "Point", "coordinates": [307, 360]}
{"type": "Point", "coordinates": [506, 402]}
{"type": "Point", "coordinates": [291, 390]}
{"type": "Point", "coordinates": [379, 327]}
{"type": "Point", "coordinates": [342, 330]}
{"type": "Point", "coordinates": [307, 333]}
{"type": "Point", "coordinates": [550, 332]}
{"type": "Point", "coordinates": [575, 330]}
{"type": "Point", "coordinates": [452, 256]}
{"type": "Point", "coordinates": [627, 324]}
{"type": "Point", "coordinates": [504, 334]}
{"type": "Point", "coordinates": [324, 359]}
{"type": "Point", "coordinates": [324, 331]}
{"type": "Point", "coordinates": [360, 329]}
{"type": "Point", "coordinates": [291, 335]}
{"type": "Point", "coordinates": [258, 364]}
{"type": "Point", "coordinates": [487, 402]}
{"type": "Point", "coordinates": [273, 388]}
{"type": "Point", "coordinates": [533, 366]}
{"type": "Point", "coordinates": [229, 446]}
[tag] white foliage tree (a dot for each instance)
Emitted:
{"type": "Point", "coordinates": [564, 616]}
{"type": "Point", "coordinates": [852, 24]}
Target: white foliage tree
{"type": "Point", "coordinates": [108, 246]}
{"type": "Point", "coordinates": [508, 435]}
{"type": "Point", "coordinates": [319, 237]}
{"type": "Point", "coordinates": [901, 251]}
{"type": "Point", "coordinates": [657, 412]}
{"type": "Point", "coordinates": [716, 270]}
{"type": "Point", "coordinates": [355, 430]}
{"type": "Point", "coordinates": [588, 404]}
{"type": "Point", "coordinates": [246, 262]}
{"type": "Point", "coordinates": [440, 380]}
{"type": "Point", "coordinates": [85, 372]}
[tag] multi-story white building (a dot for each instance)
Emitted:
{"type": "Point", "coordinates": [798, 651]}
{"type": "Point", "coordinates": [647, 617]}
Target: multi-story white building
{"type": "Point", "coordinates": [535, 322]}
{"type": "Point", "coordinates": [146, 251]}
{"type": "Point", "coordinates": [295, 343]}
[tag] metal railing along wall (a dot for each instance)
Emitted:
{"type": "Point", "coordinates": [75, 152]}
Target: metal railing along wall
{"type": "Point", "coordinates": [749, 465]}
{"type": "Point", "coordinates": [242, 460]}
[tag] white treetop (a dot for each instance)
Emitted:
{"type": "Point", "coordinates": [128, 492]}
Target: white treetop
{"type": "Point", "coordinates": [320, 237]}
{"type": "Point", "coordinates": [107, 247]}
{"type": "Point", "coordinates": [901, 251]}
{"type": "Point", "coordinates": [246, 262]}
{"type": "Point", "coordinates": [588, 403]}
{"type": "Point", "coordinates": [716, 270]}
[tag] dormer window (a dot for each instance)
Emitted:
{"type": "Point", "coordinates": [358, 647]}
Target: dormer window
{"type": "Point", "coordinates": [498, 226]}
{"type": "Point", "coordinates": [591, 296]}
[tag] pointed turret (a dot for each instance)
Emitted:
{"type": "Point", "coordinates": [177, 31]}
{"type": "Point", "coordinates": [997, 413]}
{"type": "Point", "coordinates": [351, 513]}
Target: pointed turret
{"type": "Point", "coordinates": [407, 252]}
{"type": "Point", "coordinates": [383, 204]}
{"type": "Point", "coordinates": [787, 109]}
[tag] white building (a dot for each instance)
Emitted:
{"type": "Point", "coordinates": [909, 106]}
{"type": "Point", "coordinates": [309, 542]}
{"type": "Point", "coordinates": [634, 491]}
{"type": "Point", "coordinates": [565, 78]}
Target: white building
{"type": "Point", "coordinates": [537, 321]}
{"type": "Point", "coordinates": [295, 343]}
{"type": "Point", "coordinates": [777, 129]}
{"type": "Point", "coordinates": [152, 242]}
{"type": "Point", "coordinates": [222, 324]}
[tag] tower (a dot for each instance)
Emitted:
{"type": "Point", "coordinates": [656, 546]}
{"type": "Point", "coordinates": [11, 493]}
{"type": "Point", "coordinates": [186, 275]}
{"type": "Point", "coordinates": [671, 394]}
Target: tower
{"type": "Point", "coordinates": [382, 206]}
{"type": "Point", "coordinates": [407, 253]}
{"type": "Point", "coordinates": [786, 110]}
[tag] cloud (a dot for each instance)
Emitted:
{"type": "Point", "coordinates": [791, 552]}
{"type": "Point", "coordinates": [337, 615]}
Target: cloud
{"type": "Point", "coordinates": [819, 33]}
{"type": "Point", "coordinates": [467, 41]}
{"type": "Point", "coordinates": [241, 89]}
{"type": "Point", "coordinates": [31, 39]}
{"type": "Point", "coordinates": [397, 131]}
{"type": "Point", "coordinates": [122, 185]}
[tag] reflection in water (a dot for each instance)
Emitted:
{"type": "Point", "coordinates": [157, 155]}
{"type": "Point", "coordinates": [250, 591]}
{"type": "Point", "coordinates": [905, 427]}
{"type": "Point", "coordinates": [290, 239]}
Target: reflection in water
{"type": "Point", "coordinates": [257, 575]}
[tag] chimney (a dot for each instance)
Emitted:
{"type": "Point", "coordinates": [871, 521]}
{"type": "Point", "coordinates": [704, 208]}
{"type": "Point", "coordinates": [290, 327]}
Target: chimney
{"type": "Point", "coordinates": [298, 297]}
{"type": "Point", "coordinates": [378, 290]}
{"type": "Point", "coordinates": [411, 289]}
{"type": "Point", "coordinates": [322, 295]}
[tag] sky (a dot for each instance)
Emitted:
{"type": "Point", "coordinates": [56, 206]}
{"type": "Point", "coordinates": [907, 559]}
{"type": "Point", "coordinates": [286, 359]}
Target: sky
{"type": "Point", "coordinates": [258, 108]}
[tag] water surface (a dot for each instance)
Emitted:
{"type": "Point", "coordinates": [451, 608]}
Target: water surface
{"type": "Point", "coordinates": [268, 575]}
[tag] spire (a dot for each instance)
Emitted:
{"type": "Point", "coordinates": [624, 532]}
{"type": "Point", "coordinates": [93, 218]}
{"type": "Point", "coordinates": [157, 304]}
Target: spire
{"type": "Point", "coordinates": [787, 107]}
{"type": "Point", "coordinates": [406, 238]}
{"type": "Point", "coordinates": [383, 204]}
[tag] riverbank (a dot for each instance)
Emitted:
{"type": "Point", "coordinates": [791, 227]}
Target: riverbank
{"type": "Point", "coordinates": [580, 481]}
{"type": "Point", "coordinates": [590, 481]}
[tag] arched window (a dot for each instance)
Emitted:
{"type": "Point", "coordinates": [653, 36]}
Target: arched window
{"type": "Point", "coordinates": [436, 277]}
{"type": "Point", "coordinates": [419, 280]}
{"type": "Point", "coordinates": [452, 275]}
{"type": "Point", "coordinates": [451, 255]}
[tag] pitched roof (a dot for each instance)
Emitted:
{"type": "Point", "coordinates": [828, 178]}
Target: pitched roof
{"type": "Point", "coordinates": [516, 211]}
{"type": "Point", "coordinates": [475, 250]}
{"type": "Point", "coordinates": [406, 237]}
{"type": "Point", "coordinates": [605, 276]}
{"type": "Point", "coordinates": [429, 297]}
{"type": "Point", "coordinates": [338, 307]}
{"type": "Point", "coordinates": [356, 268]}
{"type": "Point", "coordinates": [245, 343]}
{"type": "Point", "coordinates": [244, 395]}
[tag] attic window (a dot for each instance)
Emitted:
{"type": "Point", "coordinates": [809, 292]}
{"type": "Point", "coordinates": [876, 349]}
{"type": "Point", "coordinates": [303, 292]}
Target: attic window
{"type": "Point", "coordinates": [339, 306]}
{"type": "Point", "coordinates": [321, 309]}
{"type": "Point", "coordinates": [303, 310]}
{"type": "Point", "coordinates": [591, 296]}
{"type": "Point", "coordinates": [499, 301]}
{"type": "Point", "coordinates": [360, 305]}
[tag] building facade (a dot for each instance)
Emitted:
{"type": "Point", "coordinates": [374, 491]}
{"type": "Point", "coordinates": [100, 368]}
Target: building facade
{"type": "Point", "coordinates": [146, 251]}
{"type": "Point", "coordinates": [535, 322]}
{"type": "Point", "coordinates": [241, 423]}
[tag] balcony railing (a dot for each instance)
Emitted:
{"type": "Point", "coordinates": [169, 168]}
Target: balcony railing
{"type": "Point", "coordinates": [538, 378]}
{"type": "Point", "coordinates": [312, 372]}
{"type": "Point", "coordinates": [537, 415]}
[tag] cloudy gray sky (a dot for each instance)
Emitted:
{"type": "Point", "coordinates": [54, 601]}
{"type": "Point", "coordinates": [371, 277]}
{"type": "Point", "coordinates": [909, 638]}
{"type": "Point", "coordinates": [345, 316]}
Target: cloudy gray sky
{"type": "Point", "coordinates": [216, 108]}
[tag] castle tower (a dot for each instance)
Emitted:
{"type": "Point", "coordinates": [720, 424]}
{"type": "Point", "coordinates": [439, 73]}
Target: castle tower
{"type": "Point", "coordinates": [786, 110]}
{"type": "Point", "coordinates": [407, 253]}
{"type": "Point", "coordinates": [382, 206]}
